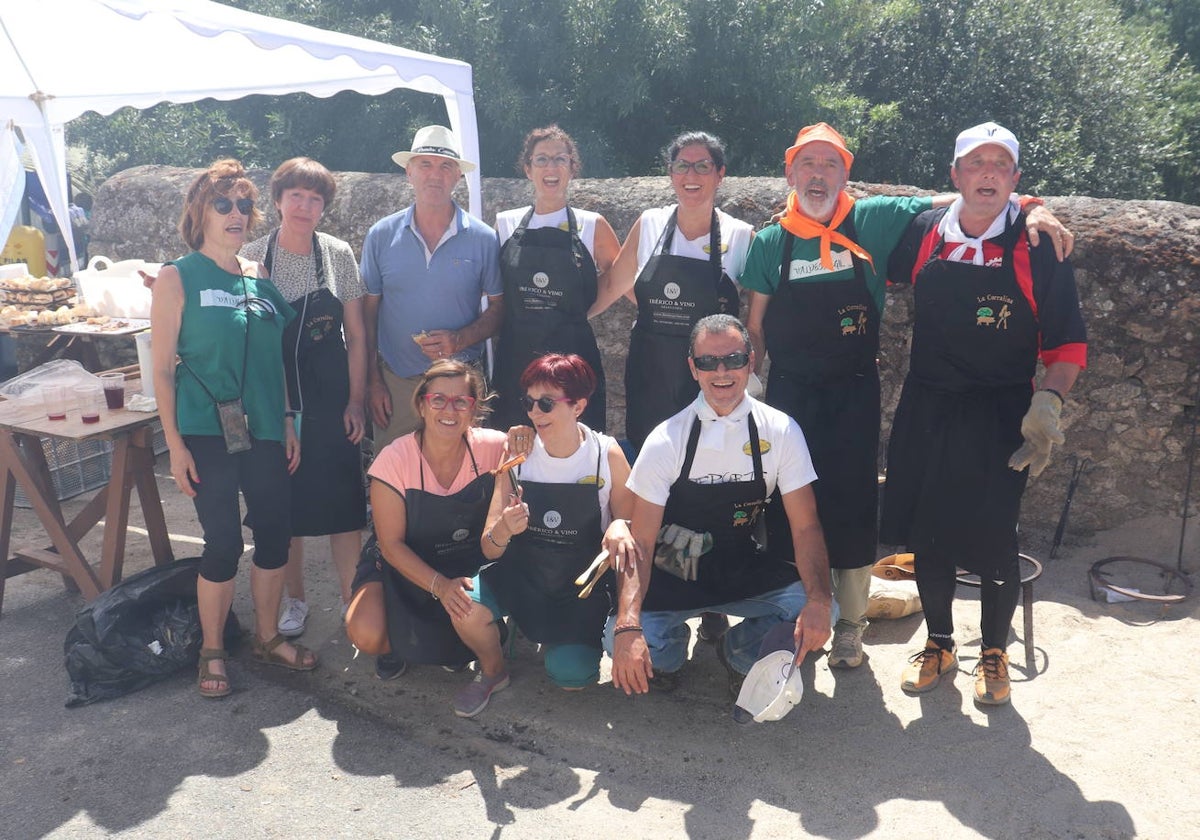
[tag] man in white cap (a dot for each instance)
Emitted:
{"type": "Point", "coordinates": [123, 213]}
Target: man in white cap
{"type": "Point", "coordinates": [818, 282]}
{"type": "Point", "coordinates": [970, 428]}
{"type": "Point", "coordinates": [707, 472]}
{"type": "Point", "coordinates": [426, 270]}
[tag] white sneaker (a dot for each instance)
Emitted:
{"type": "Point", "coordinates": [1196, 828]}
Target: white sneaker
{"type": "Point", "coordinates": [292, 614]}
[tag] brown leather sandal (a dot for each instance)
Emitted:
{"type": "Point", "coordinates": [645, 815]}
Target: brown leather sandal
{"type": "Point", "coordinates": [266, 652]}
{"type": "Point", "coordinates": [208, 655]}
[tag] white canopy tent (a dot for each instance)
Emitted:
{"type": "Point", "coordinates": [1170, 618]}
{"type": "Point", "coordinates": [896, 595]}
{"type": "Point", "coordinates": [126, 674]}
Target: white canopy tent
{"type": "Point", "coordinates": [62, 58]}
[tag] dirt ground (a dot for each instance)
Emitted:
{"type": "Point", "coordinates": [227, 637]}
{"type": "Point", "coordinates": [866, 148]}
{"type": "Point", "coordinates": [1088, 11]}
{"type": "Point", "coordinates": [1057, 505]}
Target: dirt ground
{"type": "Point", "coordinates": [1100, 740]}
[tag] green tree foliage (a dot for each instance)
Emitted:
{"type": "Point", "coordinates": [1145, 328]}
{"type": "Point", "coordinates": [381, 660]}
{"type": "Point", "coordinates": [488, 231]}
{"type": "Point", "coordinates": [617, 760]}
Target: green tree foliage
{"type": "Point", "coordinates": [1103, 93]}
{"type": "Point", "coordinates": [1087, 95]}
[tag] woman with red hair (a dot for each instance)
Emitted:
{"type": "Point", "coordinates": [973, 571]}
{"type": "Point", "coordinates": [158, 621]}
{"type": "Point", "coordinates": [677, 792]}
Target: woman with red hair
{"type": "Point", "coordinates": [543, 529]}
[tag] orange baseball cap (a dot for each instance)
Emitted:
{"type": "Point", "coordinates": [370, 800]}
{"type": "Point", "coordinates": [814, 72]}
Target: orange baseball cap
{"type": "Point", "coordinates": [813, 133]}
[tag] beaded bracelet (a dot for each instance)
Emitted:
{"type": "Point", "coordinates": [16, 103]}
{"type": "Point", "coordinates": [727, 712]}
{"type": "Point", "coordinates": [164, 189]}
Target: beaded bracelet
{"type": "Point", "coordinates": [631, 628]}
{"type": "Point", "coordinates": [492, 540]}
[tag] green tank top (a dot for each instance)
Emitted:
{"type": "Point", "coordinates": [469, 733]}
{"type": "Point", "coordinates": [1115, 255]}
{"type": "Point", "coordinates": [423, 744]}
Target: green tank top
{"type": "Point", "coordinates": [218, 309]}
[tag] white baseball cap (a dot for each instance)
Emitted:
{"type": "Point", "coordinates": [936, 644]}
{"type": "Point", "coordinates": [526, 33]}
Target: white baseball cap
{"type": "Point", "coordinates": [772, 687]}
{"type": "Point", "coordinates": [984, 134]}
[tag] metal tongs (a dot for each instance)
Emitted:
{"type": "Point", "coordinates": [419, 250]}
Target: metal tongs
{"type": "Point", "coordinates": [599, 566]}
{"type": "Point", "coordinates": [507, 467]}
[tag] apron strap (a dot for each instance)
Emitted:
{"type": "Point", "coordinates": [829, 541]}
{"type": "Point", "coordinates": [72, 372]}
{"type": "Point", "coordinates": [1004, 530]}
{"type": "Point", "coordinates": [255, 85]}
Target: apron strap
{"type": "Point", "coordinates": [714, 242]}
{"type": "Point", "coordinates": [421, 457]}
{"type": "Point", "coordinates": [694, 440]}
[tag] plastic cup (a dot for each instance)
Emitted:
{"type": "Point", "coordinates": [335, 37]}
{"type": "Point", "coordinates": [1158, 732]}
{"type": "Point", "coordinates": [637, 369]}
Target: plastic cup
{"type": "Point", "coordinates": [114, 389]}
{"type": "Point", "coordinates": [55, 399]}
{"type": "Point", "coordinates": [90, 400]}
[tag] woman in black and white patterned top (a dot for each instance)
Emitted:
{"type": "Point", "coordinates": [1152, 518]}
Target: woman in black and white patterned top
{"type": "Point", "coordinates": [326, 360]}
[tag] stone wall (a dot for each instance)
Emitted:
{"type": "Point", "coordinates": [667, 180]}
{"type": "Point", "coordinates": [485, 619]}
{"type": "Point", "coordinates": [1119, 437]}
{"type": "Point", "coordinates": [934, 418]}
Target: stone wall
{"type": "Point", "coordinates": [1137, 265]}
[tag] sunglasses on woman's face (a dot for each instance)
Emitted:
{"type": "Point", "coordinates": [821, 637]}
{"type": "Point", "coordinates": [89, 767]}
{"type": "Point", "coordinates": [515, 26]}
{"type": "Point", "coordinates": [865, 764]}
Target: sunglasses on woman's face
{"type": "Point", "coordinates": [544, 404]}
{"type": "Point", "coordinates": [224, 205]}
{"type": "Point", "coordinates": [734, 361]}
{"type": "Point", "coordinates": [459, 403]}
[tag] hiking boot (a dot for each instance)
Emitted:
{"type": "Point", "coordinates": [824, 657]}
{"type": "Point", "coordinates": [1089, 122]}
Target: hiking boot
{"type": "Point", "coordinates": [928, 667]}
{"type": "Point", "coordinates": [292, 614]}
{"type": "Point", "coordinates": [846, 650]}
{"type": "Point", "coordinates": [712, 627]}
{"type": "Point", "coordinates": [388, 667]}
{"type": "Point", "coordinates": [991, 678]}
{"type": "Point", "coordinates": [474, 698]}
{"type": "Point", "coordinates": [736, 677]}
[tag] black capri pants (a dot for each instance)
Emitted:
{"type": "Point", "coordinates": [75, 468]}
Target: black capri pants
{"type": "Point", "coordinates": [260, 473]}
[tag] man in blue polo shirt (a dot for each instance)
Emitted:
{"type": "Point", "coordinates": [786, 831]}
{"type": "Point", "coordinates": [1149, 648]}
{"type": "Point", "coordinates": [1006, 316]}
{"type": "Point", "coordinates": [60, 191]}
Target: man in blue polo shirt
{"type": "Point", "coordinates": [426, 269]}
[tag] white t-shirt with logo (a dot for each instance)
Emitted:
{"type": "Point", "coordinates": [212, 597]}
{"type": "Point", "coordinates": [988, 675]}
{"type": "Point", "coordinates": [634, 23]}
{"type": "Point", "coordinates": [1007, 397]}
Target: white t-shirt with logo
{"type": "Point", "coordinates": [577, 468]}
{"type": "Point", "coordinates": [585, 224]}
{"type": "Point", "coordinates": [723, 450]}
{"type": "Point", "coordinates": [735, 240]}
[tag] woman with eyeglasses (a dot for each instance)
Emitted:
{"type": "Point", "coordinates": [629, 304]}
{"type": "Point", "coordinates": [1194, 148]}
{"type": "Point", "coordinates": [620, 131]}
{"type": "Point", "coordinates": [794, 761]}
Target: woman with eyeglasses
{"type": "Point", "coordinates": [222, 408]}
{"type": "Point", "coordinates": [547, 520]}
{"type": "Point", "coordinates": [551, 257]}
{"type": "Point", "coordinates": [430, 491]}
{"type": "Point", "coordinates": [326, 375]}
{"type": "Point", "coordinates": [682, 263]}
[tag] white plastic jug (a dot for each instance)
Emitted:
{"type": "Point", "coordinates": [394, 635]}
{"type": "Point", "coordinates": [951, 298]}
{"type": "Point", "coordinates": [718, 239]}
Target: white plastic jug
{"type": "Point", "coordinates": [145, 365]}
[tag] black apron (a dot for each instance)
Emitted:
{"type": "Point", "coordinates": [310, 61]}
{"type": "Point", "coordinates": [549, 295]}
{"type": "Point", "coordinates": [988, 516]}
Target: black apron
{"type": "Point", "coordinates": [443, 531]}
{"type": "Point", "coordinates": [823, 339]}
{"type": "Point", "coordinates": [549, 285]}
{"type": "Point", "coordinates": [328, 496]}
{"type": "Point", "coordinates": [950, 495]}
{"type": "Point", "coordinates": [673, 293]}
{"type": "Point", "coordinates": [535, 580]}
{"type": "Point", "coordinates": [734, 568]}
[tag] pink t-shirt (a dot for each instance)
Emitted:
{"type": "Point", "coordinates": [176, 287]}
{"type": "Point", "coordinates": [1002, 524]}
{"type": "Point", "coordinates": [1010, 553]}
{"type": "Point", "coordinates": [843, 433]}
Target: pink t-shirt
{"type": "Point", "coordinates": [399, 464]}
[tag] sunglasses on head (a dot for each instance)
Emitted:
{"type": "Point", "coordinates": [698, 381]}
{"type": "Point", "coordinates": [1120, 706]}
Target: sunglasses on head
{"type": "Point", "coordinates": [702, 167]}
{"type": "Point", "coordinates": [544, 404]}
{"type": "Point", "coordinates": [224, 205]}
{"type": "Point", "coordinates": [459, 403]}
{"type": "Point", "coordinates": [734, 361]}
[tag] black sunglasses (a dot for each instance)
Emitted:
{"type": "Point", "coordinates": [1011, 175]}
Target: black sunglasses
{"type": "Point", "coordinates": [734, 361]}
{"type": "Point", "coordinates": [544, 404]}
{"type": "Point", "coordinates": [224, 205]}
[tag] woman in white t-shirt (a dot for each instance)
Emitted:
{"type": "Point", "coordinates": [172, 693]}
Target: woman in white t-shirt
{"type": "Point", "coordinates": [682, 262]}
{"type": "Point", "coordinates": [551, 258]}
{"type": "Point", "coordinates": [544, 527]}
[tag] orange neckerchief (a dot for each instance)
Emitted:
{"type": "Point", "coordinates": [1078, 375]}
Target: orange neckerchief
{"type": "Point", "coordinates": [802, 226]}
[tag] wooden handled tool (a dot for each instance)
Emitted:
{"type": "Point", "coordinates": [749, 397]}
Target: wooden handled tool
{"type": "Point", "coordinates": [596, 570]}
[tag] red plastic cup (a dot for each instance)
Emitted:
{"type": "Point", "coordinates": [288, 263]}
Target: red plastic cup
{"type": "Point", "coordinates": [114, 389]}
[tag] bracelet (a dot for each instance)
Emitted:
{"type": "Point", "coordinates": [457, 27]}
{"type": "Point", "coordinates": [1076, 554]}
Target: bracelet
{"type": "Point", "coordinates": [1061, 401]}
{"type": "Point", "coordinates": [492, 540]}
{"type": "Point", "coordinates": [629, 628]}
{"type": "Point", "coordinates": [436, 575]}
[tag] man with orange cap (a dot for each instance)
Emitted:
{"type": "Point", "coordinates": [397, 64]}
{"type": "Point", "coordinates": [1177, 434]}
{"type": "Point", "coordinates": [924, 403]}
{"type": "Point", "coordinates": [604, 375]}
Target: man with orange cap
{"type": "Point", "coordinates": [818, 278]}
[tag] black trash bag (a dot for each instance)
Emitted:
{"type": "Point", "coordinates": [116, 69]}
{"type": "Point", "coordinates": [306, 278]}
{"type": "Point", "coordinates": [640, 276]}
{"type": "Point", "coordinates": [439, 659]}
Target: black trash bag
{"type": "Point", "coordinates": [142, 630]}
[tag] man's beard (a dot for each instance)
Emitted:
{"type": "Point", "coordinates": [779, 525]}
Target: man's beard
{"type": "Point", "coordinates": [821, 210]}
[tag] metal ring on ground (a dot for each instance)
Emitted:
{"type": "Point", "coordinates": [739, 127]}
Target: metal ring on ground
{"type": "Point", "coordinates": [1098, 580]}
{"type": "Point", "coordinates": [968, 579]}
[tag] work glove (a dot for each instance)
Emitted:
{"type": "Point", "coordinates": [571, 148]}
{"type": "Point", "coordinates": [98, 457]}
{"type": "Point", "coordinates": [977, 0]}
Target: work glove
{"type": "Point", "coordinates": [1040, 428]}
{"type": "Point", "coordinates": [678, 550]}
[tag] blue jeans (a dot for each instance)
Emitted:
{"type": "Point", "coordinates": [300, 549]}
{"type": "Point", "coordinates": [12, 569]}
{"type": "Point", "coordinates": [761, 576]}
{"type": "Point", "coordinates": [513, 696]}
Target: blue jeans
{"type": "Point", "coordinates": [667, 634]}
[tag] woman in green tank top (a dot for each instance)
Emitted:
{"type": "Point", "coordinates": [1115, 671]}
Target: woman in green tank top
{"type": "Point", "coordinates": [223, 412]}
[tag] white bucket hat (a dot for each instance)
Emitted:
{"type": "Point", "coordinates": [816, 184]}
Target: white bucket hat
{"type": "Point", "coordinates": [436, 140]}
